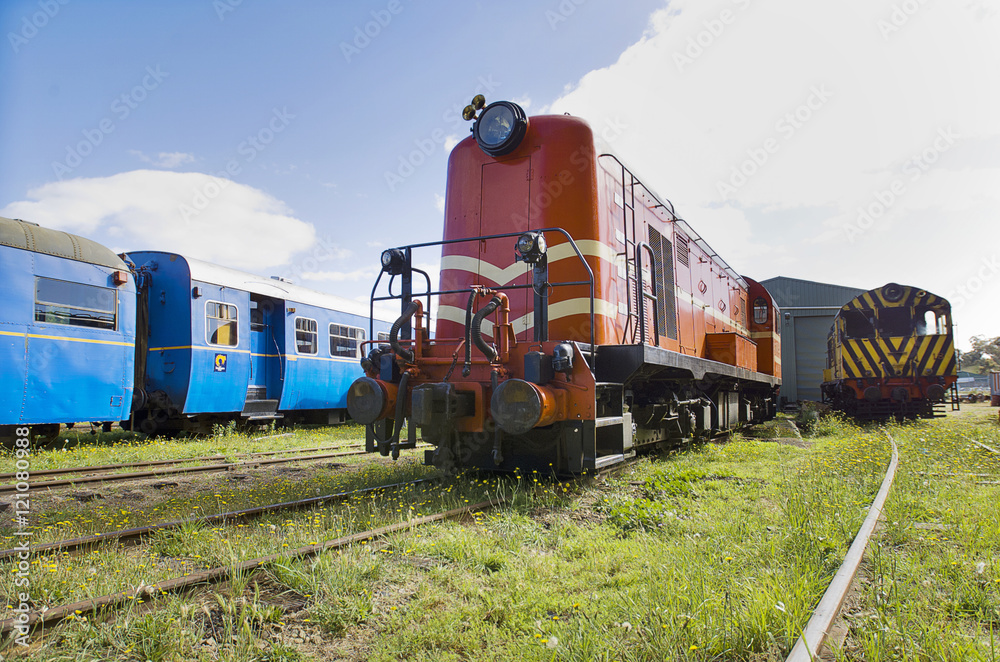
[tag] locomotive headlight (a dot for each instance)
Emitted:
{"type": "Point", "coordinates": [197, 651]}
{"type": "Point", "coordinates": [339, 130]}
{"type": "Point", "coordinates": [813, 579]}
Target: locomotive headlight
{"type": "Point", "coordinates": [369, 400]}
{"type": "Point", "coordinates": [518, 406]}
{"type": "Point", "coordinates": [500, 128]}
{"type": "Point", "coordinates": [393, 261]}
{"type": "Point", "coordinates": [531, 247]}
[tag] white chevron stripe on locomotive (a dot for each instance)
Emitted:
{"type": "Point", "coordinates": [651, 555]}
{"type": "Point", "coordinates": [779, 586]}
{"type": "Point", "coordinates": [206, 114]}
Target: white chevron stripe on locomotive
{"type": "Point", "coordinates": [557, 310]}
{"type": "Point", "coordinates": [505, 275]}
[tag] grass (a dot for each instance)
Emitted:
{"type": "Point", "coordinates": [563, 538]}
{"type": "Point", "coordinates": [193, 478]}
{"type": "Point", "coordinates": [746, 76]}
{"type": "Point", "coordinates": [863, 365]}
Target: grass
{"type": "Point", "coordinates": [718, 552]}
{"type": "Point", "coordinates": [79, 448]}
{"type": "Point", "coordinates": [933, 575]}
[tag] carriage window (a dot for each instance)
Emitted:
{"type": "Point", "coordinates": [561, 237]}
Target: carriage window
{"type": "Point", "coordinates": [895, 321]}
{"type": "Point", "coordinates": [777, 322]}
{"type": "Point", "coordinates": [859, 323]}
{"type": "Point", "coordinates": [75, 304]}
{"type": "Point", "coordinates": [221, 323]}
{"type": "Point", "coordinates": [306, 336]}
{"type": "Point", "coordinates": [760, 310]}
{"type": "Point", "coordinates": [383, 336]}
{"type": "Point", "coordinates": [345, 340]}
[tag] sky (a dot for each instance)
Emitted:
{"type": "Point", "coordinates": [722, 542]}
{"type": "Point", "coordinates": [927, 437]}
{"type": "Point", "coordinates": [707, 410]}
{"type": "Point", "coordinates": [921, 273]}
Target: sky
{"type": "Point", "coordinates": [854, 143]}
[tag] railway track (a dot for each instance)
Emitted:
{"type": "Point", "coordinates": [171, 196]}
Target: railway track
{"type": "Point", "coordinates": [205, 468]}
{"type": "Point", "coordinates": [107, 468]}
{"type": "Point", "coordinates": [106, 473]}
{"type": "Point", "coordinates": [813, 637]}
{"type": "Point", "coordinates": [138, 532]}
{"type": "Point", "coordinates": [83, 608]}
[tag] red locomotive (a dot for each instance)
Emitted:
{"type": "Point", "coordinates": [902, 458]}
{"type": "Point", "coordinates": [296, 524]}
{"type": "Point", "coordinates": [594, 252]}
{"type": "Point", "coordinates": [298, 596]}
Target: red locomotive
{"type": "Point", "coordinates": [578, 319]}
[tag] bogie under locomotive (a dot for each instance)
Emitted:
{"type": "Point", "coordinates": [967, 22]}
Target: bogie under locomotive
{"type": "Point", "coordinates": [578, 318]}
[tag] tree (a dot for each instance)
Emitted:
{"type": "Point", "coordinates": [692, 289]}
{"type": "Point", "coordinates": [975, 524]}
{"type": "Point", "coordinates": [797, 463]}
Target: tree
{"type": "Point", "coordinates": [984, 355]}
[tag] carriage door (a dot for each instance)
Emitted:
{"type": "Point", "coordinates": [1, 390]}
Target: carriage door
{"type": "Point", "coordinates": [260, 347]}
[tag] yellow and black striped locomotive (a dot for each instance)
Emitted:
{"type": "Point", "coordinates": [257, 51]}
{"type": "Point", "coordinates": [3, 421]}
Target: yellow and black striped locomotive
{"type": "Point", "coordinates": [891, 353]}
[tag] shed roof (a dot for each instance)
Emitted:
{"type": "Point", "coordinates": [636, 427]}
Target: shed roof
{"type": "Point", "coordinates": [32, 237]}
{"type": "Point", "coordinates": [792, 293]}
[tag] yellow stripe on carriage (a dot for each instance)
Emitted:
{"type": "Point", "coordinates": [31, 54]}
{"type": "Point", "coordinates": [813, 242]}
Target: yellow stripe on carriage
{"type": "Point", "coordinates": [93, 341]}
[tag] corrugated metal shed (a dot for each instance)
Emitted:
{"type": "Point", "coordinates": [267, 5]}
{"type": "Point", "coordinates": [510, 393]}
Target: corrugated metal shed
{"type": "Point", "coordinates": [808, 309]}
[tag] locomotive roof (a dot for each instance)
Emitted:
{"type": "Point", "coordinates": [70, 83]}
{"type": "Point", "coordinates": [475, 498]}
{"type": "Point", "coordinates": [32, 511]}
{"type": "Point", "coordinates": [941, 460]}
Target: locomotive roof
{"type": "Point", "coordinates": [206, 272]}
{"type": "Point", "coordinates": [32, 237]}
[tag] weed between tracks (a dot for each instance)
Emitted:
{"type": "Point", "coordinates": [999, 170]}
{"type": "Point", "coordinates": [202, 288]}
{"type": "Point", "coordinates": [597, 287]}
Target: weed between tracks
{"type": "Point", "coordinates": [718, 552]}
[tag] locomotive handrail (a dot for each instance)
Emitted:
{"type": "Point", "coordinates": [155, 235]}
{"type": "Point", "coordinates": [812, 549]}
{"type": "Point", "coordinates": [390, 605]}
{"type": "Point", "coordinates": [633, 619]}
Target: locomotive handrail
{"type": "Point", "coordinates": [639, 246]}
{"type": "Point", "coordinates": [446, 242]}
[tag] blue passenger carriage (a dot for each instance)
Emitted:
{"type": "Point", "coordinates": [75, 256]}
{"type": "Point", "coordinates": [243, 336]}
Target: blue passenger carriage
{"type": "Point", "coordinates": [67, 330]}
{"type": "Point", "coordinates": [223, 344]}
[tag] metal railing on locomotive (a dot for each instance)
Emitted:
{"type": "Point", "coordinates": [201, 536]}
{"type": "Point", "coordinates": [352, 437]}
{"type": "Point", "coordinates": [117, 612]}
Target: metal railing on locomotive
{"type": "Point", "coordinates": [540, 286]}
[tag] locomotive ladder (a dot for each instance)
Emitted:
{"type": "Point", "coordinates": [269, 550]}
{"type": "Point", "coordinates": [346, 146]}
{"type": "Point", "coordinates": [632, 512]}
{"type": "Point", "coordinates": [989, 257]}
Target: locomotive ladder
{"type": "Point", "coordinates": [637, 325]}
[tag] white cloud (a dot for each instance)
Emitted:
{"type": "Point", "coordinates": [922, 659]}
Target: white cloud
{"type": "Point", "coordinates": [341, 276]}
{"type": "Point", "coordinates": [239, 226]}
{"type": "Point", "coordinates": [164, 159]}
{"type": "Point", "coordinates": [450, 141]}
{"type": "Point", "coordinates": [524, 102]}
{"type": "Point", "coordinates": [439, 202]}
{"type": "Point", "coordinates": [826, 106]}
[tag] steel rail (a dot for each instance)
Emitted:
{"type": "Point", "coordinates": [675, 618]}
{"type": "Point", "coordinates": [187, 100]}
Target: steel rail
{"type": "Point", "coordinates": [98, 468]}
{"type": "Point", "coordinates": [216, 574]}
{"type": "Point", "coordinates": [814, 635]}
{"type": "Point", "coordinates": [138, 532]}
{"type": "Point", "coordinates": [205, 468]}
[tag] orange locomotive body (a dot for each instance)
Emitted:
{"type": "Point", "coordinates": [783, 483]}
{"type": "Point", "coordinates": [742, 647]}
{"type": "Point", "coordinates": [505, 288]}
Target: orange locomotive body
{"type": "Point", "coordinates": [577, 319]}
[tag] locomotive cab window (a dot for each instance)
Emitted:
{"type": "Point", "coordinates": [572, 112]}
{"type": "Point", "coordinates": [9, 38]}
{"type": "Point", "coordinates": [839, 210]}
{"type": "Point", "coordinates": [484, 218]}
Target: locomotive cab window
{"type": "Point", "coordinates": [928, 322]}
{"type": "Point", "coordinates": [75, 304]}
{"type": "Point", "coordinates": [895, 321]}
{"type": "Point", "coordinates": [221, 324]}
{"type": "Point", "coordinates": [346, 340]}
{"type": "Point", "coordinates": [859, 323]}
{"type": "Point", "coordinates": [760, 310]}
{"type": "Point", "coordinates": [306, 336]}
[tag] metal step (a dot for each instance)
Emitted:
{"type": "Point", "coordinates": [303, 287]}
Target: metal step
{"type": "Point", "coordinates": [610, 460]}
{"type": "Point", "coordinates": [259, 408]}
{"type": "Point", "coordinates": [607, 421]}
